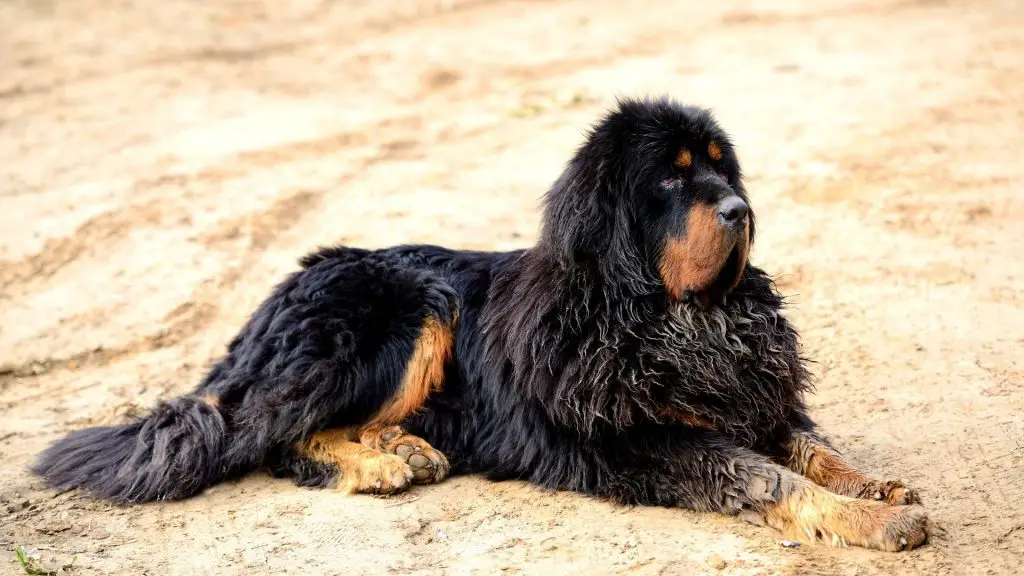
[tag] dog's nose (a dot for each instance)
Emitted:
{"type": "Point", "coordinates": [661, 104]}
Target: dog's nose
{"type": "Point", "coordinates": [732, 211]}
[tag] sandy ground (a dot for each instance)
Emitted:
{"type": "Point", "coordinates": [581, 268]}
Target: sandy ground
{"type": "Point", "coordinates": [162, 164]}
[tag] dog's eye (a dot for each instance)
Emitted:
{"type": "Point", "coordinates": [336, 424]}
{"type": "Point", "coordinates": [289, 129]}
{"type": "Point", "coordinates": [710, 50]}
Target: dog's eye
{"type": "Point", "coordinates": [684, 159]}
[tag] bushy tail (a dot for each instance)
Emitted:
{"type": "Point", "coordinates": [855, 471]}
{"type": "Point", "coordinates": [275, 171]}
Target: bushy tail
{"type": "Point", "coordinates": [173, 453]}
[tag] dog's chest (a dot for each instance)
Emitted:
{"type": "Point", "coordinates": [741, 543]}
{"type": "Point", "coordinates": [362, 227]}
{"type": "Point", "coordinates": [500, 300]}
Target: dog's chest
{"type": "Point", "coordinates": [685, 336]}
{"type": "Point", "coordinates": [743, 353]}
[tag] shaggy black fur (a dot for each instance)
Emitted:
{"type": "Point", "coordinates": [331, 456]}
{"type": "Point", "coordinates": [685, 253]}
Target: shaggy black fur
{"type": "Point", "coordinates": [571, 358]}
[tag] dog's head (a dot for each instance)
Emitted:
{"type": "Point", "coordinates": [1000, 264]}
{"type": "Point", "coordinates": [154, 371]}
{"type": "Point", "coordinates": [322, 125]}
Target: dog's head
{"type": "Point", "coordinates": [655, 193]}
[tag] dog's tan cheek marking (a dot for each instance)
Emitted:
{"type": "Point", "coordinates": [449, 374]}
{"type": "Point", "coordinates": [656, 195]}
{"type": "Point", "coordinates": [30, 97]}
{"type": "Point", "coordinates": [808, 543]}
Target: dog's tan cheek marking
{"type": "Point", "coordinates": [694, 261]}
{"type": "Point", "coordinates": [715, 151]}
{"type": "Point", "coordinates": [423, 374]}
{"type": "Point", "coordinates": [684, 159]}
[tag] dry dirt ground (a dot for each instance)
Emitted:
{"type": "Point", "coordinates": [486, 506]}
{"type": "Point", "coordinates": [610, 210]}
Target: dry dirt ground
{"type": "Point", "coordinates": [162, 164]}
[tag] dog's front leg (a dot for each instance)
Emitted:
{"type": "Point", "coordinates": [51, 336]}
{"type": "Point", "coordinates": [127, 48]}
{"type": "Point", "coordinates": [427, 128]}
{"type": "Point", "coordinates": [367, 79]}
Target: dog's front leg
{"type": "Point", "coordinates": [811, 455]}
{"type": "Point", "coordinates": [708, 473]}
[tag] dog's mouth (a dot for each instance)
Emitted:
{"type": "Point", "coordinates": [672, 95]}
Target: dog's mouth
{"type": "Point", "coordinates": [706, 263]}
{"type": "Point", "coordinates": [728, 277]}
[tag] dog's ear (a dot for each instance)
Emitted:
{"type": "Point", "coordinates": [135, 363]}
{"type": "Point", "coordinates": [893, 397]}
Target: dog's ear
{"type": "Point", "coordinates": [578, 213]}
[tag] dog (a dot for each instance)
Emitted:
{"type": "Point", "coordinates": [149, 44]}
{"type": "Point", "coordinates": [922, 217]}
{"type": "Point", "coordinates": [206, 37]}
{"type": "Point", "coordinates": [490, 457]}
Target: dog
{"type": "Point", "coordinates": [633, 354]}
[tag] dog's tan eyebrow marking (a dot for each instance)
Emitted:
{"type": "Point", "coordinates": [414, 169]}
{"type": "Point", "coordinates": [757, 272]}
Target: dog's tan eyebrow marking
{"type": "Point", "coordinates": [684, 159]}
{"type": "Point", "coordinates": [715, 151]}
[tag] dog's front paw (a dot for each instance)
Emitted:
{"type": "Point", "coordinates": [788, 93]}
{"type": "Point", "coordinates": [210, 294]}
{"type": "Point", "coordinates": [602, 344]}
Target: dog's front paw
{"type": "Point", "coordinates": [906, 529]}
{"type": "Point", "coordinates": [895, 493]}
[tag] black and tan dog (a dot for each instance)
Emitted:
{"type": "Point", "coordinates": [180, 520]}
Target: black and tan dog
{"type": "Point", "coordinates": [632, 354]}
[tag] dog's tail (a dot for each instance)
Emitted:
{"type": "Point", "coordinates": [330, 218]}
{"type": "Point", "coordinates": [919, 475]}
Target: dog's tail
{"type": "Point", "coordinates": [174, 452]}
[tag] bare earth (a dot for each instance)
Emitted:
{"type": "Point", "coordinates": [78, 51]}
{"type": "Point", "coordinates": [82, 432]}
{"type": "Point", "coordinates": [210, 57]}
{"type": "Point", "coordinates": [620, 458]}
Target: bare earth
{"type": "Point", "coordinates": [163, 164]}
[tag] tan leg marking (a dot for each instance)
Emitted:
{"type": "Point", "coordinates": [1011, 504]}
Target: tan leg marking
{"type": "Point", "coordinates": [361, 469]}
{"type": "Point", "coordinates": [428, 465]}
{"type": "Point", "coordinates": [685, 417]}
{"type": "Point", "coordinates": [423, 374]}
{"type": "Point", "coordinates": [823, 465]}
{"type": "Point", "coordinates": [812, 514]}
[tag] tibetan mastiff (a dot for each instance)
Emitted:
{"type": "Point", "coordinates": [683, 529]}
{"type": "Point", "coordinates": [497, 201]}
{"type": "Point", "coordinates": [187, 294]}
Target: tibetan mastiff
{"type": "Point", "coordinates": [633, 354]}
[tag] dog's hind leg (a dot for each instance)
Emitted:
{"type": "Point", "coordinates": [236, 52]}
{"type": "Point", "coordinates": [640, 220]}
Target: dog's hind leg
{"type": "Point", "coordinates": [424, 372]}
{"type": "Point", "coordinates": [354, 340]}
{"type": "Point", "coordinates": [395, 364]}
{"type": "Point", "coordinates": [812, 456]}
{"type": "Point", "coordinates": [379, 456]}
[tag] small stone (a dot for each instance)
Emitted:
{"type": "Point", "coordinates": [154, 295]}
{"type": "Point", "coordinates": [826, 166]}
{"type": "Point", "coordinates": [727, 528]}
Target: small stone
{"type": "Point", "coordinates": [716, 562]}
{"type": "Point", "coordinates": [790, 544]}
{"type": "Point", "coordinates": [99, 534]}
{"type": "Point", "coordinates": [54, 527]}
{"type": "Point", "coordinates": [440, 536]}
